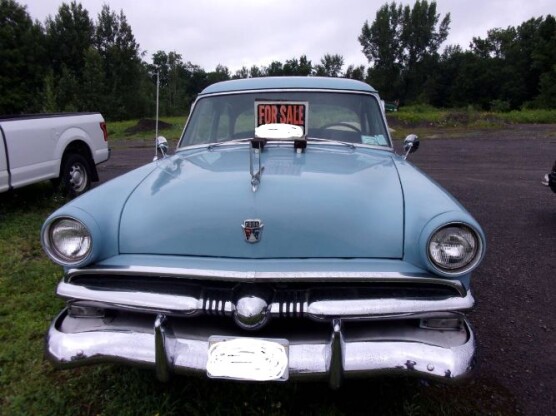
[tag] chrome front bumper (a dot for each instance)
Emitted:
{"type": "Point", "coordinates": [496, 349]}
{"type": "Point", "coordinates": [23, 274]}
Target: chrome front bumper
{"type": "Point", "coordinates": [329, 350]}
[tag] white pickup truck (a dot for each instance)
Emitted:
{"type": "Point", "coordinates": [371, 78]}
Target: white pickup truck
{"type": "Point", "coordinates": [62, 147]}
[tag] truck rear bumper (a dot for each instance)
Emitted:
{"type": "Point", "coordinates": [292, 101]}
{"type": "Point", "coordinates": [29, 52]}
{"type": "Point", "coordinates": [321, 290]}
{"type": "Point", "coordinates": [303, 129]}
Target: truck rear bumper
{"type": "Point", "coordinates": [329, 350]}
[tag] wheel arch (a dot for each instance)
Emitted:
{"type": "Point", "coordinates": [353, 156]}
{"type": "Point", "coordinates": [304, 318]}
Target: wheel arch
{"type": "Point", "coordinates": [78, 146]}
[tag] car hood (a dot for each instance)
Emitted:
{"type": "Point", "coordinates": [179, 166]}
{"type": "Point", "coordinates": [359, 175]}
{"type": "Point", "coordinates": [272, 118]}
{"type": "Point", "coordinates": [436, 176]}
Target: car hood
{"type": "Point", "coordinates": [331, 201]}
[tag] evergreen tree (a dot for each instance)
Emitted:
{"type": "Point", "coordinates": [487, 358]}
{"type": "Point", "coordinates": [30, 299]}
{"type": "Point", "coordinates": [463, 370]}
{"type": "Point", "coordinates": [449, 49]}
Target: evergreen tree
{"type": "Point", "coordinates": [123, 69]}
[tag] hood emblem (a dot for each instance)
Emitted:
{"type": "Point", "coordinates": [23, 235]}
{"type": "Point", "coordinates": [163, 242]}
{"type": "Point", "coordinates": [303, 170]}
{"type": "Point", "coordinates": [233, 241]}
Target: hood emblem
{"type": "Point", "coordinates": [252, 229]}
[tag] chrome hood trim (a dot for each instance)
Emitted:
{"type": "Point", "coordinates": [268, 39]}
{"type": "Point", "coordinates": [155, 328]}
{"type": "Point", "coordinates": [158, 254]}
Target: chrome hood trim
{"type": "Point", "coordinates": [416, 278]}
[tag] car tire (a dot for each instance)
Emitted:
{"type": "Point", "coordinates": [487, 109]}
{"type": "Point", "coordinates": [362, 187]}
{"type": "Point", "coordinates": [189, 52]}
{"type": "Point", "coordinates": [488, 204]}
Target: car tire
{"type": "Point", "coordinates": [75, 177]}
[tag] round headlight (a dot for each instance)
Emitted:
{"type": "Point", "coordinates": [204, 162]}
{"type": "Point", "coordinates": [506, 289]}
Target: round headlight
{"type": "Point", "coordinates": [455, 248]}
{"type": "Point", "coordinates": [67, 241]}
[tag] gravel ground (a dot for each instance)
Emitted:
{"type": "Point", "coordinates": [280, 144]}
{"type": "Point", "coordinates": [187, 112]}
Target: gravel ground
{"type": "Point", "coordinates": [496, 175]}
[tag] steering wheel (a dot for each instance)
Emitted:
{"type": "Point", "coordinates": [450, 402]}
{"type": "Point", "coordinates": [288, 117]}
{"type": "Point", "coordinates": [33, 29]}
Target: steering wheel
{"type": "Point", "coordinates": [342, 124]}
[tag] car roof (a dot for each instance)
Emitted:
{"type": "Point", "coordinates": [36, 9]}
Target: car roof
{"type": "Point", "coordinates": [264, 83]}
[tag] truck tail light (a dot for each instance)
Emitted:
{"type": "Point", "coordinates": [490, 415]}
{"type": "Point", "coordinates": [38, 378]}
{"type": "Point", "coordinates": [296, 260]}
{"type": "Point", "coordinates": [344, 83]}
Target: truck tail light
{"type": "Point", "coordinates": [104, 130]}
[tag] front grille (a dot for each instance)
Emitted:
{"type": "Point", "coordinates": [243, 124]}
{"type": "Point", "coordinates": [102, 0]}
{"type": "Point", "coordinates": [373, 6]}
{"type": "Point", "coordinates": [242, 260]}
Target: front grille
{"type": "Point", "coordinates": [286, 300]}
{"type": "Point", "coordinates": [291, 303]}
{"type": "Point", "coordinates": [215, 301]}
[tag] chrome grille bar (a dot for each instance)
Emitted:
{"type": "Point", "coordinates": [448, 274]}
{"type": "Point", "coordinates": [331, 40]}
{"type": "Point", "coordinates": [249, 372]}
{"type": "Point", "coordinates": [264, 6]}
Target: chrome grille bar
{"type": "Point", "coordinates": [290, 304]}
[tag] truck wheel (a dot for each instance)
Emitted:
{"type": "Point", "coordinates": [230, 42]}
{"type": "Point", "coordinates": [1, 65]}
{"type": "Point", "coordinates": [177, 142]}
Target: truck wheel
{"type": "Point", "coordinates": [76, 175]}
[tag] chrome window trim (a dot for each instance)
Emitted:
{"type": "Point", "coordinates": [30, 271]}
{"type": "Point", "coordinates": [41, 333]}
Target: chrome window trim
{"type": "Point", "coordinates": [276, 90]}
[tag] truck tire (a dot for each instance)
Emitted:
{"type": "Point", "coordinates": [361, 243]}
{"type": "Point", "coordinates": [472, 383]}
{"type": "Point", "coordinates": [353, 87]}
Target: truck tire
{"type": "Point", "coordinates": [75, 176]}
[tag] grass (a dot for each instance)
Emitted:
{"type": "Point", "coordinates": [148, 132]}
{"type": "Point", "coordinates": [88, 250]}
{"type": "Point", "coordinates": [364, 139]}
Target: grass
{"type": "Point", "coordinates": [31, 386]}
{"type": "Point", "coordinates": [422, 118]}
{"type": "Point", "coordinates": [419, 119]}
{"type": "Point", "coordinates": [117, 131]}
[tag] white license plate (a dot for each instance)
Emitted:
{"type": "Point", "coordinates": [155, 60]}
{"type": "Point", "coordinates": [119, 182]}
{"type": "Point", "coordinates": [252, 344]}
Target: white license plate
{"type": "Point", "coordinates": [252, 359]}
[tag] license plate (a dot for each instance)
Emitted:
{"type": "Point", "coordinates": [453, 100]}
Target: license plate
{"type": "Point", "coordinates": [252, 359]}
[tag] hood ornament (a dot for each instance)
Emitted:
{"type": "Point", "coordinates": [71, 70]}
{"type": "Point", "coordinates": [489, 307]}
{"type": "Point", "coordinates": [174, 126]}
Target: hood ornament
{"type": "Point", "coordinates": [275, 131]}
{"type": "Point", "coordinates": [252, 229]}
{"type": "Point", "coordinates": [255, 176]}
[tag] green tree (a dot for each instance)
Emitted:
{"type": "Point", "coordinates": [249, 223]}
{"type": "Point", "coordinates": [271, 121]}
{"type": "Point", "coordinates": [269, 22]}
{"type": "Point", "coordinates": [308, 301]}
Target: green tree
{"type": "Point", "coordinates": [67, 91]}
{"type": "Point", "coordinates": [402, 46]}
{"type": "Point", "coordinates": [547, 90]}
{"type": "Point", "coordinates": [220, 73]}
{"type": "Point", "coordinates": [69, 34]}
{"type": "Point", "coordinates": [298, 67]}
{"type": "Point", "coordinates": [241, 73]}
{"type": "Point", "coordinates": [421, 34]}
{"type": "Point", "coordinates": [518, 59]}
{"type": "Point", "coordinates": [275, 69]}
{"type": "Point", "coordinates": [173, 77]}
{"type": "Point", "coordinates": [49, 94]}
{"type": "Point", "coordinates": [22, 60]}
{"type": "Point", "coordinates": [256, 72]}
{"type": "Point", "coordinates": [381, 43]}
{"type": "Point", "coordinates": [197, 80]}
{"type": "Point", "coordinates": [92, 97]}
{"type": "Point", "coordinates": [356, 72]}
{"type": "Point", "coordinates": [467, 79]}
{"type": "Point", "coordinates": [330, 66]}
{"type": "Point", "coordinates": [124, 95]}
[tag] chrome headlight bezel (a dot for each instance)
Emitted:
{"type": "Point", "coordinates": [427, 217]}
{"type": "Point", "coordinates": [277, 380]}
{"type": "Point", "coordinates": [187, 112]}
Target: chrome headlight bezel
{"type": "Point", "coordinates": [470, 264]}
{"type": "Point", "coordinates": [53, 249]}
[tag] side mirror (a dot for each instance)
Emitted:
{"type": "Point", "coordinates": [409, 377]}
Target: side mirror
{"type": "Point", "coordinates": [161, 146]}
{"type": "Point", "coordinates": [410, 144]}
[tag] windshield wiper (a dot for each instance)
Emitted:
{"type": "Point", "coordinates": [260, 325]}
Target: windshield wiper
{"type": "Point", "coordinates": [315, 139]}
{"type": "Point", "coordinates": [213, 145]}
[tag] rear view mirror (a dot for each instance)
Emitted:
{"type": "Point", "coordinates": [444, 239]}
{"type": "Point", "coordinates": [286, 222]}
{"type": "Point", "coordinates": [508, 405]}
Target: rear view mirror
{"type": "Point", "coordinates": [410, 144]}
{"type": "Point", "coordinates": [161, 146]}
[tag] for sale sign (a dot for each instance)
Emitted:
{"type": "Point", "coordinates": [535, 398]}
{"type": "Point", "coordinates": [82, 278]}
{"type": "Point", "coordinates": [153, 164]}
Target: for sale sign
{"type": "Point", "coordinates": [282, 112]}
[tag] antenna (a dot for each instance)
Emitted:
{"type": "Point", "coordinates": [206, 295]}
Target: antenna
{"type": "Point", "coordinates": [156, 121]}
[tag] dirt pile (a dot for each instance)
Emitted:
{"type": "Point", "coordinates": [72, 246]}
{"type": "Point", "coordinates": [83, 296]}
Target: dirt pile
{"type": "Point", "coordinates": [147, 124]}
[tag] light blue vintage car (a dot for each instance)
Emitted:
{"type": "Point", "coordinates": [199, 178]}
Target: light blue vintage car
{"type": "Point", "coordinates": [284, 239]}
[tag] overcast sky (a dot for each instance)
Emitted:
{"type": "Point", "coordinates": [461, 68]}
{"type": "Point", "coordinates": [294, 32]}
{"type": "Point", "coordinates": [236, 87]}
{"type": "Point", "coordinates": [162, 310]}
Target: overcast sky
{"type": "Point", "coordinates": [238, 33]}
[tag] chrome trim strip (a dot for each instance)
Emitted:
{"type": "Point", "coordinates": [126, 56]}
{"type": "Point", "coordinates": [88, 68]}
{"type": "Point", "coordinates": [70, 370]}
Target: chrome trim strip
{"type": "Point", "coordinates": [325, 309]}
{"type": "Point", "coordinates": [361, 308]}
{"type": "Point", "coordinates": [292, 89]}
{"type": "Point", "coordinates": [324, 142]}
{"type": "Point", "coordinates": [260, 277]}
{"type": "Point", "coordinates": [424, 353]}
{"type": "Point", "coordinates": [373, 94]}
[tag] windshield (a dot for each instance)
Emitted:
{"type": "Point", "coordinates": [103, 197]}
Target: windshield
{"type": "Point", "coordinates": [348, 117]}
